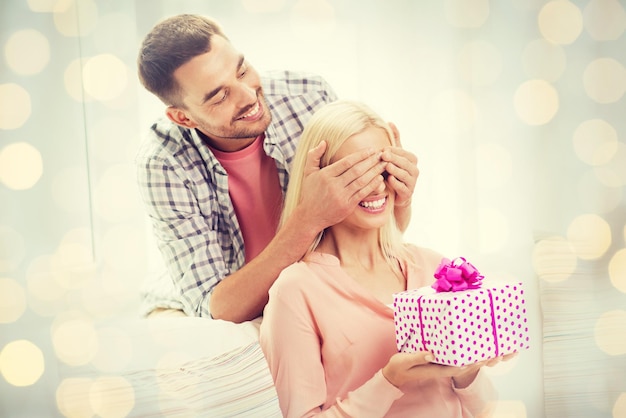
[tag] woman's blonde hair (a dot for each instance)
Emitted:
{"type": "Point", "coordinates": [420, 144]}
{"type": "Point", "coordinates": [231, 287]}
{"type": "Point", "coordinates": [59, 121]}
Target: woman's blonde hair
{"type": "Point", "coordinates": [335, 123]}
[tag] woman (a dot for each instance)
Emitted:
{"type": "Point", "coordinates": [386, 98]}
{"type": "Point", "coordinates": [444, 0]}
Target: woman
{"type": "Point", "coordinates": [328, 330]}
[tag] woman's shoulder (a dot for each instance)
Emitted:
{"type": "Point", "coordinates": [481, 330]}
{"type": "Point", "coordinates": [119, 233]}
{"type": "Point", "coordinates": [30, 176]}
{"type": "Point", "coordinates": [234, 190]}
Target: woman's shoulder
{"type": "Point", "coordinates": [292, 274]}
{"type": "Point", "coordinates": [306, 275]}
{"type": "Point", "coordinates": [294, 278]}
{"type": "Point", "coordinates": [421, 266]}
{"type": "Point", "coordinates": [423, 255]}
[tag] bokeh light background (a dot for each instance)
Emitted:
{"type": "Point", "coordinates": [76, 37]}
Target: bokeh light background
{"type": "Point", "coordinates": [515, 108]}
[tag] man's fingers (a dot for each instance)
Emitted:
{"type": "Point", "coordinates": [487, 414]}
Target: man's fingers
{"type": "Point", "coordinates": [313, 158]}
{"type": "Point", "coordinates": [360, 188]}
{"type": "Point", "coordinates": [391, 155]}
{"type": "Point", "coordinates": [402, 172]}
{"type": "Point", "coordinates": [360, 185]}
{"type": "Point", "coordinates": [357, 180]}
{"type": "Point", "coordinates": [362, 160]}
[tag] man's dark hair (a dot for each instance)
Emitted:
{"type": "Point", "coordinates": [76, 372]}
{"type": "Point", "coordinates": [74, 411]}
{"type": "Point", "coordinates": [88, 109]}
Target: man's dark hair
{"type": "Point", "coordinates": [170, 44]}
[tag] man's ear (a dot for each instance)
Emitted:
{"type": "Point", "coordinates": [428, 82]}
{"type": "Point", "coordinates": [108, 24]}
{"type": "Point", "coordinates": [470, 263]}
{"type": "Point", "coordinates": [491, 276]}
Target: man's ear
{"type": "Point", "coordinates": [179, 117]}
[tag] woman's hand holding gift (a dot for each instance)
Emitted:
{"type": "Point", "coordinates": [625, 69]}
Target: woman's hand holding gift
{"type": "Point", "coordinates": [469, 372]}
{"type": "Point", "coordinates": [412, 368]}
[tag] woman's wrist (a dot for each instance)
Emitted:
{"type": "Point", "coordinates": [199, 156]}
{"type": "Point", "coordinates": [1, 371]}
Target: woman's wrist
{"type": "Point", "coordinates": [404, 204]}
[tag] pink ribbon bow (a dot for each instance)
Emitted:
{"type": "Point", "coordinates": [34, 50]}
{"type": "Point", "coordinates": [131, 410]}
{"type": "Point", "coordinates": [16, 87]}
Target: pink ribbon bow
{"type": "Point", "coordinates": [456, 275]}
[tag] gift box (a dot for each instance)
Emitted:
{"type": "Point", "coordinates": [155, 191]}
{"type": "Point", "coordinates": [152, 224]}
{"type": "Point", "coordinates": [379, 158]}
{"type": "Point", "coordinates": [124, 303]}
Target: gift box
{"type": "Point", "coordinates": [458, 320]}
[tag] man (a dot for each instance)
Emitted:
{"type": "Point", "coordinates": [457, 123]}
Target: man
{"type": "Point", "coordinates": [213, 173]}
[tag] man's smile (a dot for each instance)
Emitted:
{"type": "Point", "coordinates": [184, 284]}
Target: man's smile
{"type": "Point", "coordinates": [252, 114]}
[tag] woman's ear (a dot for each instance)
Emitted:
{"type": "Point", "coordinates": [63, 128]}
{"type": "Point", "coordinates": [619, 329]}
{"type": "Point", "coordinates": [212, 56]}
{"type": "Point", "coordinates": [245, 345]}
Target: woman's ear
{"type": "Point", "coordinates": [179, 117]}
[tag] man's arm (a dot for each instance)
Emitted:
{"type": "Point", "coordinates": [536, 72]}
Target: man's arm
{"type": "Point", "coordinates": [403, 173]}
{"type": "Point", "coordinates": [189, 243]}
{"type": "Point", "coordinates": [329, 195]}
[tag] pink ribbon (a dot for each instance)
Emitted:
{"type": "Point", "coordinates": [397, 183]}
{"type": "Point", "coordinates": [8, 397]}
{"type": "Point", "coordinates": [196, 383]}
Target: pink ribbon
{"type": "Point", "coordinates": [456, 275]}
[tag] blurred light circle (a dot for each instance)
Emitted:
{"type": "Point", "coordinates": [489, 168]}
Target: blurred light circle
{"type": "Point", "coordinates": [607, 178]}
{"type": "Point", "coordinates": [114, 140]}
{"type": "Point", "coordinates": [617, 270]}
{"type": "Point", "coordinates": [560, 22]}
{"type": "Point", "coordinates": [114, 350]}
{"type": "Point", "coordinates": [112, 397]}
{"type": "Point", "coordinates": [554, 259]}
{"type": "Point", "coordinates": [313, 19]}
{"type": "Point", "coordinates": [536, 102]}
{"type": "Point", "coordinates": [466, 13]}
{"type": "Point", "coordinates": [105, 77]}
{"type": "Point", "coordinates": [41, 282]}
{"type": "Point", "coordinates": [116, 195]}
{"type": "Point", "coordinates": [453, 112]}
{"type": "Point", "coordinates": [81, 236]}
{"type": "Point", "coordinates": [544, 60]}
{"type": "Point", "coordinates": [109, 293]}
{"type": "Point", "coordinates": [72, 397]}
{"type": "Point", "coordinates": [15, 106]}
{"type": "Point", "coordinates": [595, 142]}
{"type": "Point", "coordinates": [73, 265]}
{"type": "Point", "coordinates": [590, 235]}
{"type": "Point", "coordinates": [605, 80]}
{"type": "Point", "coordinates": [597, 384]}
{"type": "Point", "coordinates": [72, 262]}
{"type": "Point", "coordinates": [480, 63]}
{"type": "Point", "coordinates": [21, 363]}
{"type": "Point", "coordinates": [75, 341]}
{"type": "Point", "coordinates": [21, 166]}
{"type": "Point", "coordinates": [11, 255]}
{"type": "Point", "coordinates": [73, 81]}
{"type": "Point", "coordinates": [619, 407]}
{"type": "Point", "coordinates": [613, 173]}
{"type": "Point", "coordinates": [494, 166]}
{"type": "Point", "coordinates": [37, 56]}
{"type": "Point", "coordinates": [528, 5]}
{"type": "Point", "coordinates": [42, 6]}
{"type": "Point", "coordinates": [12, 301]}
{"type": "Point", "coordinates": [112, 31]}
{"type": "Point", "coordinates": [605, 20]}
{"type": "Point", "coordinates": [610, 332]}
{"type": "Point", "coordinates": [263, 6]}
{"type": "Point", "coordinates": [123, 247]}
{"type": "Point", "coordinates": [595, 195]}
{"type": "Point", "coordinates": [493, 230]}
{"type": "Point", "coordinates": [165, 400]}
{"type": "Point", "coordinates": [68, 14]}
{"type": "Point", "coordinates": [69, 188]}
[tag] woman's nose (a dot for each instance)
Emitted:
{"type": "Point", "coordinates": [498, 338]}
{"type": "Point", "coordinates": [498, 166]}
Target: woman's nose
{"type": "Point", "coordinates": [382, 186]}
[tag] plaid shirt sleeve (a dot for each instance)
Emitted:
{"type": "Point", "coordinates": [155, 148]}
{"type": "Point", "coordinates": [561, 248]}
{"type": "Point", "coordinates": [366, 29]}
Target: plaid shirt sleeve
{"type": "Point", "coordinates": [185, 192]}
{"type": "Point", "coordinates": [185, 228]}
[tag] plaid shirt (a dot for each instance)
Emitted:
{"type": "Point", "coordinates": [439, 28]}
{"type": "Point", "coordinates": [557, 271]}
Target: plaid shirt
{"type": "Point", "coordinates": [185, 191]}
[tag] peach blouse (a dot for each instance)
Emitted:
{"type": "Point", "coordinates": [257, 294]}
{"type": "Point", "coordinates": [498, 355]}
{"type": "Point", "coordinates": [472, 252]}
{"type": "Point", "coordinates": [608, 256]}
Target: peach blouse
{"type": "Point", "coordinates": [326, 339]}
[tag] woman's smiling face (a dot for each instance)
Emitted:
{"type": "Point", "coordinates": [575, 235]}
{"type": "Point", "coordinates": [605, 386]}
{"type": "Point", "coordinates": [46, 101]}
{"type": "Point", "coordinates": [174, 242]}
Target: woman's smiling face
{"type": "Point", "coordinates": [374, 210]}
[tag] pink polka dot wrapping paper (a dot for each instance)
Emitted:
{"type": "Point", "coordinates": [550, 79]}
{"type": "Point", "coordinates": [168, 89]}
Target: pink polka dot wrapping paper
{"type": "Point", "coordinates": [463, 327]}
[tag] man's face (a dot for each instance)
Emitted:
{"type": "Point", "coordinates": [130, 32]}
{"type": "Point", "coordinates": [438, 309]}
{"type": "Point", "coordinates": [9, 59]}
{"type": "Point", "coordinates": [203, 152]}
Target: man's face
{"type": "Point", "coordinates": [222, 97]}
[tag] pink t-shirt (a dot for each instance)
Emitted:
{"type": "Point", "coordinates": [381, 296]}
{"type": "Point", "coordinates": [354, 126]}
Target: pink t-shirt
{"type": "Point", "coordinates": [256, 194]}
